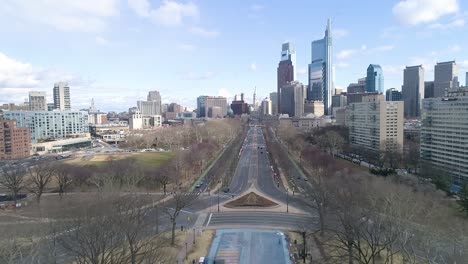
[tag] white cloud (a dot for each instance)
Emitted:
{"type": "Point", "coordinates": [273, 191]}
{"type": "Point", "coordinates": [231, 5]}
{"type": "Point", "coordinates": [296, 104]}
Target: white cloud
{"type": "Point", "coordinates": [186, 47]}
{"type": "Point", "coordinates": [224, 92]}
{"type": "Point", "coordinates": [344, 54]}
{"type": "Point", "coordinates": [454, 24]}
{"type": "Point", "coordinates": [302, 71]}
{"type": "Point", "coordinates": [342, 64]}
{"type": "Point", "coordinates": [169, 13]}
{"type": "Point", "coordinates": [199, 31]}
{"type": "Point", "coordinates": [363, 47]}
{"type": "Point", "coordinates": [141, 7]}
{"type": "Point", "coordinates": [102, 41]}
{"type": "Point", "coordinates": [455, 48]}
{"type": "Point", "coordinates": [383, 48]}
{"type": "Point", "coordinates": [198, 76]}
{"type": "Point", "coordinates": [17, 74]}
{"type": "Point", "coordinates": [253, 66]}
{"type": "Point", "coordinates": [257, 7]}
{"type": "Point", "coordinates": [413, 12]}
{"type": "Point", "coordinates": [340, 33]}
{"type": "Point", "coordinates": [82, 16]}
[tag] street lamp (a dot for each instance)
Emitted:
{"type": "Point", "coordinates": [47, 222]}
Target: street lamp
{"type": "Point", "coordinates": [287, 201]}
{"type": "Point", "coordinates": [186, 251]}
{"type": "Point", "coordinates": [218, 200]}
{"type": "Point", "coordinates": [194, 236]}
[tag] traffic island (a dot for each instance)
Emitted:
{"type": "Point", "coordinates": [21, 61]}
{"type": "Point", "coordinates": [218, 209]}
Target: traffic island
{"type": "Point", "coordinates": [251, 200]}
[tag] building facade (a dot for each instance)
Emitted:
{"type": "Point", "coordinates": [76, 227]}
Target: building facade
{"type": "Point", "coordinates": [413, 90]}
{"type": "Point", "coordinates": [62, 99]}
{"type": "Point", "coordinates": [429, 89]}
{"type": "Point", "coordinates": [445, 77]}
{"type": "Point", "coordinates": [393, 94]}
{"type": "Point", "coordinates": [359, 87]}
{"type": "Point", "coordinates": [136, 120]}
{"type": "Point", "coordinates": [374, 79]}
{"type": "Point", "coordinates": [45, 125]}
{"type": "Point", "coordinates": [204, 103]}
{"type": "Point", "coordinates": [15, 142]}
{"type": "Point", "coordinates": [321, 86]}
{"type": "Point", "coordinates": [292, 99]}
{"type": "Point", "coordinates": [37, 101]}
{"type": "Point", "coordinates": [266, 107]}
{"type": "Point", "coordinates": [314, 107]}
{"type": "Point", "coordinates": [444, 137]}
{"type": "Point", "coordinates": [274, 103]}
{"type": "Point", "coordinates": [286, 71]}
{"type": "Point", "coordinates": [149, 108]}
{"type": "Point", "coordinates": [376, 125]}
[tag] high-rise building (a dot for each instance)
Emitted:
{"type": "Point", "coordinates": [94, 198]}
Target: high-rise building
{"type": "Point", "coordinates": [445, 77]}
{"type": "Point", "coordinates": [37, 101]}
{"type": "Point", "coordinates": [363, 97]}
{"type": "Point", "coordinates": [149, 108]}
{"type": "Point", "coordinates": [376, 125]}
{"type": "Point", "coordinates": [204, 103]}
{"type": "Point", "coordinates": [239, 107]}
{"type": "Point", "coordinates": [266, 107]}
{"type": "Point", "coordinates": [292, 99]}
{"type": "Point", "coordinates": [374, 79]}
{"type": "Point", "coordinates": [274, 103]}
{"type": "Point", "coordinates": [154, 96]}
{"type": "Point", "coordinates": [359, 87]}
{"type": "Point", "coordinates": [15, 142]}
{"type": "Point", "coordinates": [393, 94]}
{"type": "Point", "coordinates": [443, 142]}
{"type": "Point", "coordinates": [286, 71]}
{"type": "Point", "coordinates": [413, 90]}
{"type": "Point", "coordinates": [429, 89]}
{"type": "Point", "coordinates": [321, 71]}
{"type": "Point", "coordinates": [314, 107]}
{"type": "Point", "coordinates": [50, 106]}
{"type": "Point", "coordinates": [50, 125]}
{"type": "Point", "coordinates": [136, 120]}
{"type": "Point", "coordinates": [62, 96]}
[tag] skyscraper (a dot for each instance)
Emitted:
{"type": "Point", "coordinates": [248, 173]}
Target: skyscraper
{"type": "Point", "coordinates": [321, 71]}
{"type": "Point", "coordinates": [292, 98]}
{"type": "Point", "coordinates": [155, 97]}
{"type": "Point", "coordinates": [286, 71]}
{"type": "Point", "coordinates": [274, 103]}
{"type": "Point", "coordinates": [37, 101]}
{"type": "Point", "coordinates": [62, 96]}
{"type": "Point", "coordinates": [393, 95]}
{"type": "Point", "coordinates": [413, 90]}
{"type": "Point", "coordinates": [374, 79]}
{"type": "Point", "coordinates": [445, 77]}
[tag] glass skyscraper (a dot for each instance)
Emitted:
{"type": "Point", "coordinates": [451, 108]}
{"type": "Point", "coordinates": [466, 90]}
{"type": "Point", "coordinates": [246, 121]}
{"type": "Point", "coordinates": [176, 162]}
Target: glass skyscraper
{"type": "Point", "coordinates": [321, 71]}
{"type": "Point", "coordinates": [286, 71]}
{"type": "Point", "coordinates": [375, 79]}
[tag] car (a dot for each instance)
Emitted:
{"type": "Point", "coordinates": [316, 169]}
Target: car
{"type": "Point", "coordinates": [198, 185]}
{"type": "Point", "coordinates": [226, 190]}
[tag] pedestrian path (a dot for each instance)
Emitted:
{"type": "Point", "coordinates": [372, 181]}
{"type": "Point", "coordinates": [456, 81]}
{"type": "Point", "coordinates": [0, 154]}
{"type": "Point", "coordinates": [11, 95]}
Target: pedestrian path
{"type": "Point", "coordinates": [188, 244]}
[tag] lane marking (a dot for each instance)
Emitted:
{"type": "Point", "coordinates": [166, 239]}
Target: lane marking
{"type": "Point", "coordinates": [209, 219]}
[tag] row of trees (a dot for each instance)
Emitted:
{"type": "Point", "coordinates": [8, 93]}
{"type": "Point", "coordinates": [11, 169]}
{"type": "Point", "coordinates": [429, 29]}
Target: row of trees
{"type": "Point", "coordinates": [366, 219]}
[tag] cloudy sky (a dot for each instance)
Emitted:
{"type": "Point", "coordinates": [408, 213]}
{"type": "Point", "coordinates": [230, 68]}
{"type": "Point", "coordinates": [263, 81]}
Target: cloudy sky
{"type": "Point", "coordinates": [116, 50]}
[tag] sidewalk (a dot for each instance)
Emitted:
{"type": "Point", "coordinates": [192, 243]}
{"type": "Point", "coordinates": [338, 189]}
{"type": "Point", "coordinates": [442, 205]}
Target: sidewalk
{"type": "Point", "coordinates": [188, 244]}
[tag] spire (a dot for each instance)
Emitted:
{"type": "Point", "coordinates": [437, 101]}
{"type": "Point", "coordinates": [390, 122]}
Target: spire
{"type": "Point", "coordinates": [254, 96]}
{"type": "Point", "coordinates": [328, 31]}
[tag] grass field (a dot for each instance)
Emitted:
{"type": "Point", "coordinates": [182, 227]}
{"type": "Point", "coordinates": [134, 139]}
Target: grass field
{"type": "Point", "coordinates": [155, 159]}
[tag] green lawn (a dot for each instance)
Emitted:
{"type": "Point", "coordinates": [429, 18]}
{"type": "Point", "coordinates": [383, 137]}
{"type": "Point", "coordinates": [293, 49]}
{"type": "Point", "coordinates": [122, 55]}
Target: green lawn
{"type": "Point", "coordinates": [154, 159]}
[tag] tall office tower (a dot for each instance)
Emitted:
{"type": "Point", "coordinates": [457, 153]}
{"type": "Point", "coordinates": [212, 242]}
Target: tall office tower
{"type": "Point", "coordinates": [393, 94]}
{"type": "Point", "coordinates": [149, 108]}
{"type": "Point", "coordinates": [274, 103]}
{"type": "Point", "coordinates": [376, 125]}
{"type": "Point", "coordinates": [155, 96]}
{"type": "Point", "coordinates": [413, 90]}
{"type": "Point", "coordinates": [62, 96]}
{"type": "Point", "coordinates": [321, 71]}
{"type": "Point", "coordinates": [374, 79]}
{"type": "Point", "coordinates": [359, 87]}
{"type": "Point", "coordinates": [286, 71]}
{"type": "Point", "coordinates": [445, 77]}
{"type": "Point", "coordinates": [429, 89]}
{"type": "Point", "coordinates": [205, 105]}
{"type": "Point", "coordinates": [292, 99]}
{"type": "Point", "coordinates": [266, 107]}
{"type": "Point", "coordinates": [443, 141]}
{"type": "Point", "coordinates": [37, 101]}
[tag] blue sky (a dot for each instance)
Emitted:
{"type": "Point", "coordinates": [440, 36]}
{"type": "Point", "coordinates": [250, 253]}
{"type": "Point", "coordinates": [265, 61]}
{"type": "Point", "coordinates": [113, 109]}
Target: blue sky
{"type": "Point", "coordinates": [116, 50]}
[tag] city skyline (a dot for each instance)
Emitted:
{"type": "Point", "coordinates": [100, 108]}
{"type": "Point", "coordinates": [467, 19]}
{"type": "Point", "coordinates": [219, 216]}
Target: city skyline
{"type": "Point", "coordinates": [117, 56]}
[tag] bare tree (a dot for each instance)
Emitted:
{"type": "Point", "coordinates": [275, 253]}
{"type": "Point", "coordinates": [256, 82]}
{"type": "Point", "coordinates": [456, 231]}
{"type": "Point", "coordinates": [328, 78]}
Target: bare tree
{"type": "Point", "coordinates": [63, 177]}
{"type": "Point", "coordinates": [40, 177]}
{"type": "Point", "coordinates": [173, 207]}
{"type": "Point", "coordinates": [12, 179]}
{"type": "Point", "coordinates": [331, 142]}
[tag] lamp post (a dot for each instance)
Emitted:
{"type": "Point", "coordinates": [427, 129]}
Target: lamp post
{"type": "Point", "coordinates": [186, 251]}
{"type": "Point", "coordinates": [194, 236]}
{"type": "Point", "coordinates": [287, 201]}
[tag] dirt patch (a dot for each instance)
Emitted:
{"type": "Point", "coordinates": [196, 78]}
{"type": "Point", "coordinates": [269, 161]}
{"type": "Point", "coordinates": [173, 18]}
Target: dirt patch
{"type": "Point", "coordinates": [251, 200]}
